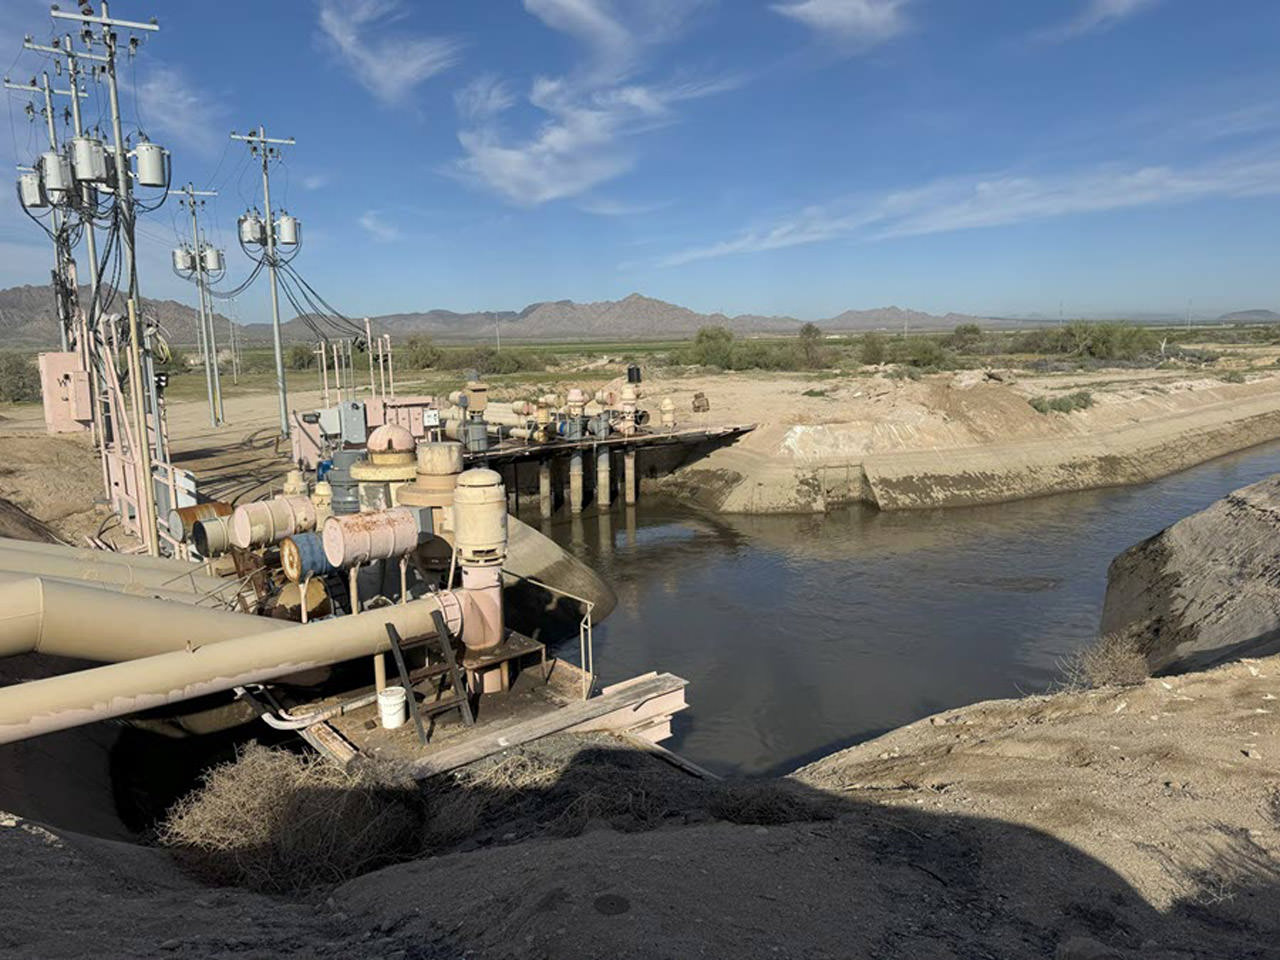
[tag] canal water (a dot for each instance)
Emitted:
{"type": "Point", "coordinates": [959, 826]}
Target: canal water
{"type": "Point", "coordinates": [803, 635]}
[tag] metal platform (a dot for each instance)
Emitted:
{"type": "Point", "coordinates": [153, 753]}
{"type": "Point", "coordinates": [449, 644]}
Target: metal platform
{"type": "Point", "coordinates": [515, 451]}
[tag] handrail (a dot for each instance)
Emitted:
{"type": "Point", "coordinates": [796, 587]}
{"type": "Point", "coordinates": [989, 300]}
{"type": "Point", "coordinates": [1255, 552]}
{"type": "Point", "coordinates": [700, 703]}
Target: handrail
{"type": "Point", "coordinates": [586, 641]}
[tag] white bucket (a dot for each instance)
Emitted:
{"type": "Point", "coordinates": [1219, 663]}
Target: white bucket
{"type": "Point", "coordinates": [393, 705]}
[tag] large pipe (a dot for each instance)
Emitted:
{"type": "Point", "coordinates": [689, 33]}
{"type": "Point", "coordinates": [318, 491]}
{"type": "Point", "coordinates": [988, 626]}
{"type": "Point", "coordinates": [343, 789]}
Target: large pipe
{"type": "Point", "coordinates": [188, 580]}
{"type": "Point", "coordinates": [138, 561]}
{"type": "Point", "coordinates": [131, 589]}
{"type": "Point", "coordinates": [41, 615]}
{"type": "Point", "coordinates": [86, 696]}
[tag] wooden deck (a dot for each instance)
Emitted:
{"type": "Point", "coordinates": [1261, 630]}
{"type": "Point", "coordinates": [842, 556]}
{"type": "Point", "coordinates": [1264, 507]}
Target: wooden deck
{"type": "Point", "coordinates": [532, 708]}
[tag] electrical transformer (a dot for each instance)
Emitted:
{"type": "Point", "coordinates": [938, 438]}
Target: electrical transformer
{"type": "Point", "coordinates": [152, 170]}
{"type": "Point", "coordinates": [213, 262]}
{"type": "Point", "coordinates": [288, 230]}
{"type": "Point", "coordinates": [56, 173]}
{"type": "Point", "coordinates": [29, 191]}
{"type": "Point", "coordinates": [184, 261]}
{"type": "Point", "coordinates": [251, 229]}
{"type": "Point", "coordinates": [89, 160]}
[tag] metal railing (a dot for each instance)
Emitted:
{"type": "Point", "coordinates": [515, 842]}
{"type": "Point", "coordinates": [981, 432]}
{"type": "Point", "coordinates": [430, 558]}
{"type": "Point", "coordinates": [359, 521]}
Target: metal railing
{"type": "Point", "coordinates": [586, 641]}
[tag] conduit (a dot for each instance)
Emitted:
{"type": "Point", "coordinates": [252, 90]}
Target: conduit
{"type": "Point", "coordinates": [72, 699]}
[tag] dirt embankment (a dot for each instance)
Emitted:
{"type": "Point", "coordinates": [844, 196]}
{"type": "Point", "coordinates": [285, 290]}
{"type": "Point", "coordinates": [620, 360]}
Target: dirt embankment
{"type": "Point", "coordinates": [1120, 823]}
{"type": "Point", "coordinates": [960, 439]}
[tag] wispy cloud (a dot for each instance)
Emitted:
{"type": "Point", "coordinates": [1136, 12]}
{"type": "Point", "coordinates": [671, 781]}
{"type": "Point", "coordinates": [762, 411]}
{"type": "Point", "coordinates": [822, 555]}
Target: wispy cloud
{"type": "Point", "coordinates": [604, 207]}
{"type": "Point", "coordinates": [1097, 15]}
{"type": "Point", "coordinates": [379, 227]}
{"type": "Point", "coordinates": [970, 203]}
{"type": "Point", "coordinates": [314, 181]}
{"type": "Point", "coordinates": [170, 105]}
{"type": "Point", "coordinates": [585, 116]}
{"type": "Point", "coordinates": [853, 24]}
{"type": "Point", "coordinates": [483, 99]}
{"type": "Point", "coordinates": [388, 65]}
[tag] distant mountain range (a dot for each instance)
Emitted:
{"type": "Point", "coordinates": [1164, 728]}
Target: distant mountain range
{"type": "Point", "coordinates": [26, 319]}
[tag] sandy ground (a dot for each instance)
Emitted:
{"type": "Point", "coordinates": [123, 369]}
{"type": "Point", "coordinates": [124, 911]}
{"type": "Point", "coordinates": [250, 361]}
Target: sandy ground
{"type": "Point", "coordinates": [1120, 823]}
{"type": "Point", "coordinates": [956, 439]}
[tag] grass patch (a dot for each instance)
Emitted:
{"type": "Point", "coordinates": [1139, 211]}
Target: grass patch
{"type": "Point", "coordinates": [1067, 403]}
{"type": "Point", "coordinates": [815, 392]}
{"type": "Point", "coordinates": [1232, 376]}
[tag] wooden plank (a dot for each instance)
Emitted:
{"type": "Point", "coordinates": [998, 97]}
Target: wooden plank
{"type": "Point", "coordinates": [670, 756]}
{"type": "Point", "coordinates": [329, 743]}
{"type": "Point", "coordinates": [482, 744]}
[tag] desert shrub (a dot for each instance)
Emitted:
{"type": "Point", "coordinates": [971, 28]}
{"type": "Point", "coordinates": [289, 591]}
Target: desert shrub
{"type": "Point", "coordinates": [486, 361]}
{"type": "Point", "coordinates": [419, 353]}
{"type": "Point", "coordinates": [872, 351]}
{"type": "Point", "coordinates": [814, 392]}
{"type": "Point", "coordinates": [300, 356]}
{"type": "Point", "coordinates": [1113, 658]}
{"type": "Point", "coordinates": [1067, 403]}
{"type": "Point", "coordinates": [279, 822]}
{"type": "Point", "coordinates": [19, 379]}
{"type": "Point", "coordinates": [1097, 341]}
{"type": "Point", "coordinates": [965, 337]}
{"type": "Point", "coordinates": [1232, 376]}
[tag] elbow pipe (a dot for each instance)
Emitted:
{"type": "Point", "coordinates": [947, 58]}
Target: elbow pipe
{"type": "Point", "coordinates": [87, 696]}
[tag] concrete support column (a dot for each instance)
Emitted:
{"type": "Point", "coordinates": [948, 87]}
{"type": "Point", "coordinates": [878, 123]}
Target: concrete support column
{"type": "Point", "coordinates": [575, 482]}
{"type": "Point", "coordinates": [629, 476]}
{"type": "Point", "coordinates": [602, 477]}
{"type": "Point", "coordinates": [544, 489]}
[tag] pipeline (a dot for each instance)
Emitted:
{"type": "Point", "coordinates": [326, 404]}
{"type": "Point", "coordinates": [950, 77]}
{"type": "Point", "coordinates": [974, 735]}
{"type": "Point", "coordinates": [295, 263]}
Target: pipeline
{"type": "Point", "coordinates": [176, 576]}
{"type": "Point", "coordinates": [87, 696]}
{"type": "Point", "coordinates": [43, 615]}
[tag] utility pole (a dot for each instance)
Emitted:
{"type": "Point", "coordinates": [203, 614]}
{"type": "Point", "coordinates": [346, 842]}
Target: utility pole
{"type": "Point", "coordinates": [260, 144]}
{"type": "Point", "coordinates": [62, 286]}
{"type": "Point", "coordinates": [128, 217]}
{"type": "Point", "coordinates": [208, 341]}
{"type": "Point", "coordinates": [368, 346]}
{"type": "Point", "coordinates": [102, 426]}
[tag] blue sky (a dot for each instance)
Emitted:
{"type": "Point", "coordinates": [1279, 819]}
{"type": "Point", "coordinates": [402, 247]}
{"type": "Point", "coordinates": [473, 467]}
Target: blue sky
{"type": "Point", "coordinates": [772, 156]}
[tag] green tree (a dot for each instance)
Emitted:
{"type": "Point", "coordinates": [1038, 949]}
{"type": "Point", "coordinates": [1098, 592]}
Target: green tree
{"type": "Point", "coordinates": [873, 350]}
{"type": "Point", "coordinates": [300, 357]}
{"type": "Point", "coordinates": [713, 347]}
{"type": "Point", "coordinates": [965, 336]}
{"type": "Point", "coordinates": [421, 354]}
{"type": "Point", "coordinates": [811, 345]}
